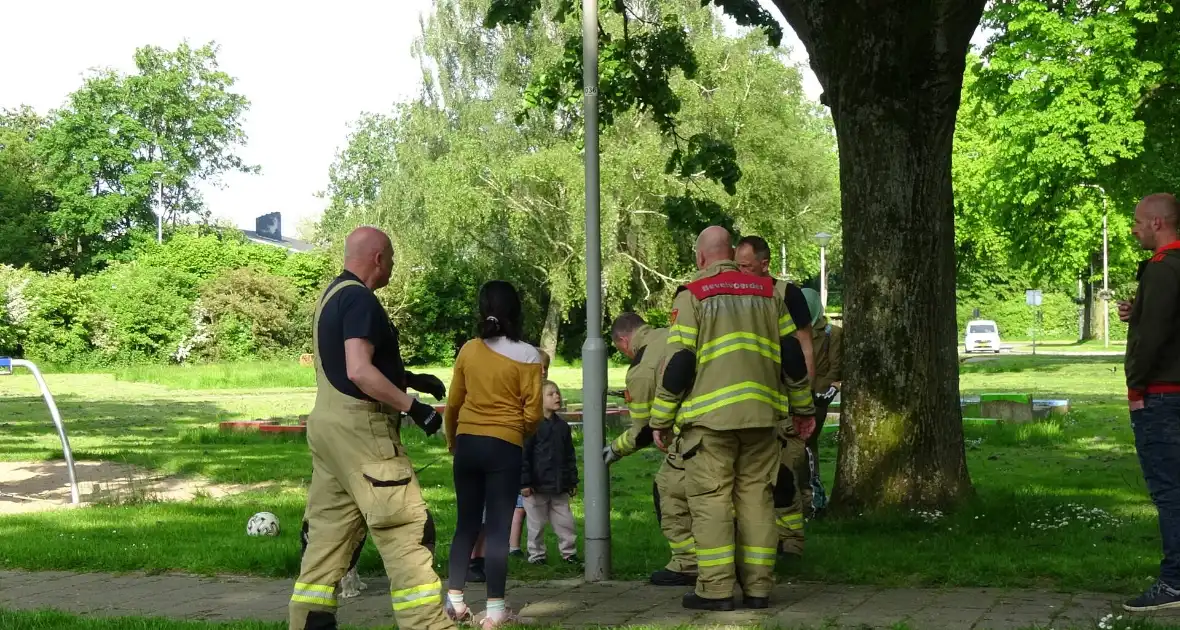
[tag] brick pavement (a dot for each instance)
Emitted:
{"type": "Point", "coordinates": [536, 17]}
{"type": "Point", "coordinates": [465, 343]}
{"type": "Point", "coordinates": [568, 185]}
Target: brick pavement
{"type": "Point", "coordinates": [570, 603]}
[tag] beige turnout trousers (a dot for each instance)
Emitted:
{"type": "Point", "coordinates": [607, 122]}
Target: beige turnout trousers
{"type": "Point", "coordinates": [672, 513]}
{"type": "Point", "coordinates": [362, 477]}
{"type": "Point", "coordinates": [788, 496]}
{"type": "Point", "coordinates": [730, 473]}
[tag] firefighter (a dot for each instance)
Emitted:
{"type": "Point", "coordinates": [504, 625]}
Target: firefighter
{"type": "Point", "coordinates": [791, 488]}
{"type": "Point", "coordinates": [723, 388]}
{"type": "Point", "coordinates": [645, 347]}
{"type": "Point", "coordinates": [361, 474]}
{"type": "Point", "coordinates": [827, 341]}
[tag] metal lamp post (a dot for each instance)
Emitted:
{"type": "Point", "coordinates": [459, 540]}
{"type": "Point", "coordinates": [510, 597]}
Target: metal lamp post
{"type": "Point", "coordinates": [159, 206]}
{"type": "Point", "coordinates": [823, 238]}
{"type": "Point", "coordinates": [1105, 269]}
{"type": "Point", "coordinates": [597, 487]}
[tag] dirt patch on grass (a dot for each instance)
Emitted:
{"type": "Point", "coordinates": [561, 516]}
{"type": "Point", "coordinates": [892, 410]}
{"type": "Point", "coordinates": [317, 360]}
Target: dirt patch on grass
{"type": "Point", "coordinates": [38, 486]}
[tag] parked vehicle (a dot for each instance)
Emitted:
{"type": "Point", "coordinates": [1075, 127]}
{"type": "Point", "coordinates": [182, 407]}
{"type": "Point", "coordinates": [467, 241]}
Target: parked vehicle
{"type": "Point", "coordinates": [982, 336]}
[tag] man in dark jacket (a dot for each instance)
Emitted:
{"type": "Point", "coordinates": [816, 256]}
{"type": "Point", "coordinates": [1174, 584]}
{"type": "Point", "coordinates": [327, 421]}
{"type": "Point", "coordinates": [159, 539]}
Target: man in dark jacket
{"type": "Point", "coordinates": [549, 476]}
{"type": "Point", "coordinates": [1152, 366]}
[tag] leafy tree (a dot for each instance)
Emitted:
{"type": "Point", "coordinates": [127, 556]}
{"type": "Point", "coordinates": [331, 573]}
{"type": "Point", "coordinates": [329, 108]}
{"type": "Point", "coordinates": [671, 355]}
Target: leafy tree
{"type": "Point", "coordinates": [122, 140]}
{"type": "Point", "coordinates": [24, 205]}
{"type": "Point", "coordinates": [1056, 99]}
{"type": "Point", "coordinates": [481, 187]}
{"type": "Point", "coordinates": [892, 74]}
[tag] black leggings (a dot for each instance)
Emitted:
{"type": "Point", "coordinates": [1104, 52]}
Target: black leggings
{"type": "Point", "coordinates": [487, 473]}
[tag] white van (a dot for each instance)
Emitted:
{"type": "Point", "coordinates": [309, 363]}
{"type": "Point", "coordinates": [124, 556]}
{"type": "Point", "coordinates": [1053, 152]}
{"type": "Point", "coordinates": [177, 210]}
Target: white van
{"type": "Point", "coordinates": [982, 336]}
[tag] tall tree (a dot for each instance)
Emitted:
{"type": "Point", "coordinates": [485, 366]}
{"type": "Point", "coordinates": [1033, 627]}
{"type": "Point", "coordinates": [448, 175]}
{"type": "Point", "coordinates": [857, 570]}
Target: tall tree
{"type": "Point", "coordinates": [1058, 94]}
{"type": "Point", "coordinates": [892, 72]}
{"type": "Point", "coordinates": [468, 179]}
{"type": "Point", "coordinates": [122, 140]}
{"type": "Point", "coordinates": [24, 205]}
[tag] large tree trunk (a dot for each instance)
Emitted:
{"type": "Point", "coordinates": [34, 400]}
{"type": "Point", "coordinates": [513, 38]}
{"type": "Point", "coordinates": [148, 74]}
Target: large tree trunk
{"type": "Point", "coordinates": [552, 324]}
{"type": "Point", "coordinates": [892, 72]}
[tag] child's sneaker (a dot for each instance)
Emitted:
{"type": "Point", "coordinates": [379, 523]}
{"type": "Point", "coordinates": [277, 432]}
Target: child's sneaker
{"type": "Point", "coordinates": [454, 615]}
{"type": "Point", "coordinates": [572, 559]}
{"type": "Point", "coordinates": [538, 560]}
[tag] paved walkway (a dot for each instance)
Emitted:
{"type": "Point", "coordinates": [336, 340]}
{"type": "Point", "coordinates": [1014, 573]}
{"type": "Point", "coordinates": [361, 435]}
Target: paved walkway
{"type": "Point", "coordinates": [569, 603]}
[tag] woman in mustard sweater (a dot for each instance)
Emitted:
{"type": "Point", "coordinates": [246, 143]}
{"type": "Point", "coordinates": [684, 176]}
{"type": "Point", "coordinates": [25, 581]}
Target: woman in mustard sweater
{"type": "Point", "coordinates": [493, 405]}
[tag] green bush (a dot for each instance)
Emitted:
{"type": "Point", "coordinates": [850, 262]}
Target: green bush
{"type": "Point", "coordinates": [251, 313]}
{"type": "Point", "coordinates": [57, 327]}
{"type": "Point", "coordinates": [140, 314]}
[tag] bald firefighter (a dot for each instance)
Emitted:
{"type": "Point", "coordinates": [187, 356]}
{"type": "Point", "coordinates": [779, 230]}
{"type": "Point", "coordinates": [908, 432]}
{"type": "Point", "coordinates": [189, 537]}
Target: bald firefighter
{"type": "Point", "coordinates": [361, 474]}
{"type": "Point", "coordinates": [792, 486]}
{"type": "Point", "coordinates": [722, 387]}
{"type": "Point", "coordinates": [645, 346]}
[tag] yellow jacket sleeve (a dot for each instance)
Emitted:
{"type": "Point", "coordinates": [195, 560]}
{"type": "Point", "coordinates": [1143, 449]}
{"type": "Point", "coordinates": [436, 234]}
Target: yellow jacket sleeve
{"type": "Point", "coordinates": [456, 394]}
{"type": "Point", "coordinates": [531, 390]}
{"type": "Point", "coordinates": [640, 391]}
{"type": "Point", "coordinates": [682, 336]}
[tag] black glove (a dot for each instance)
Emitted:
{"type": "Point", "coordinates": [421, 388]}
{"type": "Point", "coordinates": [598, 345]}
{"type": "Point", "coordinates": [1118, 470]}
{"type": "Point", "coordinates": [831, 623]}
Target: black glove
{"type": "Point", "coordinates": [427, 384]}
{"type": "Point", "coordinates": [426, 417]}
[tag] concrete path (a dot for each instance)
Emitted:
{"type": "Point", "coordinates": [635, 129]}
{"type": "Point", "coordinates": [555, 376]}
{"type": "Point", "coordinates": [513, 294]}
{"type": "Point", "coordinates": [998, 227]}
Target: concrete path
{"type": "Point", "coordinates": [569, 603]}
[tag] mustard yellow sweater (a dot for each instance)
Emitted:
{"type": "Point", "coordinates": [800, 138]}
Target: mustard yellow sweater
{"type": "Point", "coordinates": [492, 395]}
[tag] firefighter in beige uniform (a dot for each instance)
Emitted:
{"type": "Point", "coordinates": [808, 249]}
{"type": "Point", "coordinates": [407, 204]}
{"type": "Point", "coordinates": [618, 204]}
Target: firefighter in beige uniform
{"type": "Point", "coordinates": [723, 387]}
{"type": "Point", "coordinates": [361, 475]}
{"type": "Point", "coordinates": [645, 347]}
{"type": "Point", "coordinates": [792, 483]}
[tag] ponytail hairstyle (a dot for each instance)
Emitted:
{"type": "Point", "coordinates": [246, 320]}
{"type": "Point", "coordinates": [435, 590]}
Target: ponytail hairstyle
{"type": "Point", "coordinates": [499, 311]}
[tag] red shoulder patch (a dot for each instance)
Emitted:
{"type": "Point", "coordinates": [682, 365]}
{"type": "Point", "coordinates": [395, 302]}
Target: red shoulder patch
{"type": "Point", "coordinates": [732, 283]}
{"type": "Point", "coordinates": [672, 318]}
{"type": "Point", "coordinates": [627, 396]}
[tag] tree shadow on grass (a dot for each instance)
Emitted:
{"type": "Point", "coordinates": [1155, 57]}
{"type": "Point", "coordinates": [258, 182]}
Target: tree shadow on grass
{"type": "Point", "coordinates": [1045, 364]}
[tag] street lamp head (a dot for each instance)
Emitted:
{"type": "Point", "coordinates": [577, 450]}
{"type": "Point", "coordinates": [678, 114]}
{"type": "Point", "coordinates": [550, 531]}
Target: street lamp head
{"type": "Point", "coordinates": [823, 238]}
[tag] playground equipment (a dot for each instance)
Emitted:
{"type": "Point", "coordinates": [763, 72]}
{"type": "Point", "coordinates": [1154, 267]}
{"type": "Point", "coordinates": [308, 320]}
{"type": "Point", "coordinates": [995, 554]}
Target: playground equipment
{"type": "Point", "coordinates": [6, 366]}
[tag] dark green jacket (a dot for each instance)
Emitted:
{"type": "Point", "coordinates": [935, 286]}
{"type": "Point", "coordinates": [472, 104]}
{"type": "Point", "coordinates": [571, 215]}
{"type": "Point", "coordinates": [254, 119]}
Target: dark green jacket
{"type": "Point", "coordinates": [1152, 362]}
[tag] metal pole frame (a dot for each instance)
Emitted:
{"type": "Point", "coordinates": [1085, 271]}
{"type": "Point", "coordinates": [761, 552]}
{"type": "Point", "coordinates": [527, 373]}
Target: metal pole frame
{"type": "Point", "coordinates": [6, 365]}
{"type": "Point", "coordinates": [597, 486]}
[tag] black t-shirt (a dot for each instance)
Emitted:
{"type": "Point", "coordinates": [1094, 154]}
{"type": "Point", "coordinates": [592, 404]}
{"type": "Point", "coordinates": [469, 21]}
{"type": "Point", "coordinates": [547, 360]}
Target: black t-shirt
{"type": "Point", "coordinates": [797, 306]}
{"type": "Point", "coordinates": [355, 313]}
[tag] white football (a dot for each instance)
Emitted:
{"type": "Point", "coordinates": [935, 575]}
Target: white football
{"type": "Point", "coordinates": [263, 524]}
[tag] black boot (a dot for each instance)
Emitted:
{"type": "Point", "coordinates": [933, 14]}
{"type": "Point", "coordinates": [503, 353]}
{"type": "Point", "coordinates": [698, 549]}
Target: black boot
{"type": "Point", "coordinates": [664, 577]}
{"type": "Point", "coordinates": [696, 602]}
{"type": "Point", "coordinates": [320, 620]}
{"type": "Point", "coordinates": [756, 603]}
{"type": "Point", "coordinates": [475, 572]}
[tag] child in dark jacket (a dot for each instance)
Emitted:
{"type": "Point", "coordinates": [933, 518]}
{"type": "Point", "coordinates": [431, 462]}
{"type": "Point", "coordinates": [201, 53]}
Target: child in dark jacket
{"type": "Point", "coordinates": [549, 477]}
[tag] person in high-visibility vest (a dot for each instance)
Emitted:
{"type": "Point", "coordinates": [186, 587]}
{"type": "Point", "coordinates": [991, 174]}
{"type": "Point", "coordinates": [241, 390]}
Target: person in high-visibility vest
{"type": "Point", "coordinates": [361, 475]}
{"type": "Point", "coordinates": [792, 490]}
{"type": "Point", "coordinates": [723, 388]}
{"type": "Point", "coordinates": [645, 347]}
{"type": "Point", "coordinates": [827, 343]}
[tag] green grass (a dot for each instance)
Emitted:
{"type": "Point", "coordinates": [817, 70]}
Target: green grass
{"type": "Point", "coordinates": [52, 620]}
{"type": "Point", "coordinates": [1032, 522]}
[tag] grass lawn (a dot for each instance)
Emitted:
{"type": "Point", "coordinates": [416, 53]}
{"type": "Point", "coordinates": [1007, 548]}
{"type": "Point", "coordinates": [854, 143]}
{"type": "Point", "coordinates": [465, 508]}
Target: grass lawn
{"type": "Point", "coordinates": [1058, 505]}
{"type": "Point", "coordinates": [51, 620]}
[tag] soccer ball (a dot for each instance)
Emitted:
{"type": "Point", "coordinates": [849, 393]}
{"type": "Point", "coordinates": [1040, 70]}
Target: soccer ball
{"type": "Point", "coordinates": [263, 524]}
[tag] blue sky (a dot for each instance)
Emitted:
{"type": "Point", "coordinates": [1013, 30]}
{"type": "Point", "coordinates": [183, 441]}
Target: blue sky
{"type": "Point", "coordinates": [308, 74]}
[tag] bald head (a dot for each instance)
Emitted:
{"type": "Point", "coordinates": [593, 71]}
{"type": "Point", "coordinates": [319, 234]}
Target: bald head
{"type": "Point", "coordinates": [1156, 218]}
{"type": "Point", "coordinates": [368, 253]}
{"type": "Point", "coordinates": [713, 244]}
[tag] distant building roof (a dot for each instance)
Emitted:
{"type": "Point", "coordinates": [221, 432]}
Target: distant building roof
{"type": "Point", "coordinates": [269, 231]}
{"type": "Point", "coordinates": [291, 244]}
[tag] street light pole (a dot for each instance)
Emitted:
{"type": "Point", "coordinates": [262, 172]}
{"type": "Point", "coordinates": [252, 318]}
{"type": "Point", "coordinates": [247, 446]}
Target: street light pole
{"type": "Point", "coordinates": [1105, 269]}
{"type": "Point", "coordinates": [159, 207]}
{"type": "Point", "coordinates": [597, 487]}
{"type": "Point", "coordinates": [823, 238]}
